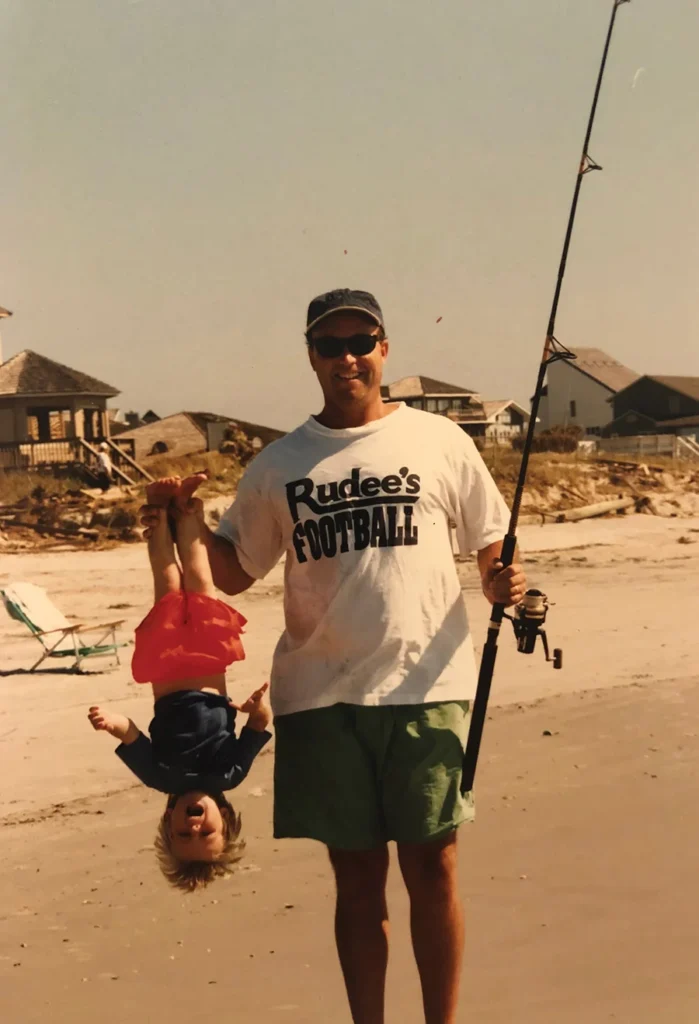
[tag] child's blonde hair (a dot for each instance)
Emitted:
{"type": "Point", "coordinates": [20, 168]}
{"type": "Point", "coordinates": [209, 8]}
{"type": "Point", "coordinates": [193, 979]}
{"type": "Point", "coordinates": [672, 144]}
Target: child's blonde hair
{"type": "Point", "coordinates": [189, 875]}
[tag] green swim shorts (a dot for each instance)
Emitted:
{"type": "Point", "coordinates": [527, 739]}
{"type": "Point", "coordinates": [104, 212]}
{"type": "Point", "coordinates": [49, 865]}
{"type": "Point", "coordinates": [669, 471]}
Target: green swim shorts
{"type": "Point", "coordinates": [354, 777]}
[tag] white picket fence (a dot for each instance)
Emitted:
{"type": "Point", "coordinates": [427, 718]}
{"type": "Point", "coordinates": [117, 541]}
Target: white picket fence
{"type": "Point", "coordinates": [671, 445]}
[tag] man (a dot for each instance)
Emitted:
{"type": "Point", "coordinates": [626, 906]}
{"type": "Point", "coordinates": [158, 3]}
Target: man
{"type": "Point", "coordinates": [373, 677]}
{"type": "Point", "coordinates": [105, 471]}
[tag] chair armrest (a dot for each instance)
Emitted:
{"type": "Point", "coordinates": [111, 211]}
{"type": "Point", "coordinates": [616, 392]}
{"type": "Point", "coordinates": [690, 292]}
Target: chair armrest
{"type": "Point", "coordinates": [101, 625]}
{"type": "Point", "coordinates": [60, 629]}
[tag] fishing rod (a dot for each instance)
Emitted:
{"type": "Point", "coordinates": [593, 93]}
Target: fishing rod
{"type": "Point", "coordinates": [530, 614]}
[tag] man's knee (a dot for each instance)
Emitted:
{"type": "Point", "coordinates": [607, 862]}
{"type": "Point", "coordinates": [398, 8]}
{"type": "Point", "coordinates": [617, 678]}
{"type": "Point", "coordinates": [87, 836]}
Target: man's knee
{"type": "Point", "coordinates": [429, 867]}
{"type": "Point", "coordinates": [360, 874]}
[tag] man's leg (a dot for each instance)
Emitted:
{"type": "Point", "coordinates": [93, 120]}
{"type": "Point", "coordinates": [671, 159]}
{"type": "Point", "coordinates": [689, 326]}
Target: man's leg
{"type": "Point", "coordinates": [436, 922]}
{"type": "Point", "coordinates": [424, 808]}
{"type": "Point", "coordinates": [361, 929]}
{"type": "Point", "coordinates": [325, 788]}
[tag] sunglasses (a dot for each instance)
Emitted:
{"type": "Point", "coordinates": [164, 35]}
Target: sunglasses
{"type": "Point", "coordinates": [333, 348]}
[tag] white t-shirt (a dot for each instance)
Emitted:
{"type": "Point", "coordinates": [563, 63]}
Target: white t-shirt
{"type": "Point", "coordinates": [105, 463]}
{"type": "Point", "coordinates": [373, 607]}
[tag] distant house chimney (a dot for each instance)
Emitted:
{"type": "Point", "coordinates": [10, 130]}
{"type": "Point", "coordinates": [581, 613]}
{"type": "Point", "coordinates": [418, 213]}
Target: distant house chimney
{"type": "Point", "coordinates": [3, 313]}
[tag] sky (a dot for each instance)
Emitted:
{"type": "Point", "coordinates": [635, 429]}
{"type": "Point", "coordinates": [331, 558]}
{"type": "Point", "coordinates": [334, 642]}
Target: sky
{"type": "Point", "coordinates": [178, 178]}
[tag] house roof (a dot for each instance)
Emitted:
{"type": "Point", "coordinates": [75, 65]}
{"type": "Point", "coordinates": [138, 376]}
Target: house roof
{"type": "Point", "coordinates": [28, 373]}
{"type": "Point", "coordinates": [4, 312]}
{"type": "Point", "coordinates": [494, 408]}
{"type": "Point", "coordinates": [632, 415]}
{"type": "Point", "coordinates": [681, 421]}
{"type": "Point", "coordinates": [200, 419]}
{"type": "Point", "coordinates": [603, 368]}
{"type": "Point", "coordinates": [688, 386]}
{"type": "Point", "coordinates": [421, 387]}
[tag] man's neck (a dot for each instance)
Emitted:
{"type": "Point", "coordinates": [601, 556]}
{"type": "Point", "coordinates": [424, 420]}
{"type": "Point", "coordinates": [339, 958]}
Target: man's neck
{"type": "Point", "coordinates": [341, 417]}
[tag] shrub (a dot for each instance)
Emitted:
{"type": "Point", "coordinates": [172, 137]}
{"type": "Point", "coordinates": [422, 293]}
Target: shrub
{"type": "Point", "coordinates": [555, 439]}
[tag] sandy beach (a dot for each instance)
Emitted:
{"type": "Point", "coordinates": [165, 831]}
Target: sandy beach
{"type": "Point", "coordinates": [578, 874]}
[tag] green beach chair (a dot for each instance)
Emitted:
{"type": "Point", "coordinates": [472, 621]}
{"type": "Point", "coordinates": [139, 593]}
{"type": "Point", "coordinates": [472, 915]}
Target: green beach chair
{"type": "Point", "coordinates": [58, 637]}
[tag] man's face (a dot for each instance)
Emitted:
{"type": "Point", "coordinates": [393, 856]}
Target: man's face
{"type": "Point", "coordinates": [346, 378]}
{"type": "Point", "coordinates": [197, 828]}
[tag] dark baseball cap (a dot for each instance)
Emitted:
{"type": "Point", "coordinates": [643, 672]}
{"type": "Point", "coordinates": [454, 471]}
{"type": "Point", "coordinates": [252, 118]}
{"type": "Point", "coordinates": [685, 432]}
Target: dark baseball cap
{"type": "Point", "coordinates": [343, 300]}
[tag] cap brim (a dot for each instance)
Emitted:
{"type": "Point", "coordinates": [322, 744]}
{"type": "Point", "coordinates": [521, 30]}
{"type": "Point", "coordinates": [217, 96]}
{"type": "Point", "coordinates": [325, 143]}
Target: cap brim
{"type": "Point", "coordinates": [344, 309]}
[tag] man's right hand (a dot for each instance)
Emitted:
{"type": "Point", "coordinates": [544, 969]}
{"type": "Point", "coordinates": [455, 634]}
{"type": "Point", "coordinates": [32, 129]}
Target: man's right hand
{"type": "Point", "coordinates": [229, 575]}
{"type": "Point", "coordinates": [181, 495]}
{"type": "Point", "coordinates": [150, 515]}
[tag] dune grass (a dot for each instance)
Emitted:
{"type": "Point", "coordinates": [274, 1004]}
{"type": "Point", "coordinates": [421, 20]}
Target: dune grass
{"type": "Point", "coordinates": [15, 487]}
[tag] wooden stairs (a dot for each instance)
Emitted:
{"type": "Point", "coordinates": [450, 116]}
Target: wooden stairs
{"type": "Point", "coordinates": [121, 461]}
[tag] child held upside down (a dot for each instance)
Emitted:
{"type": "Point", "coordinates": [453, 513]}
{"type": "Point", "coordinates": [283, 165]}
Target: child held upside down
{"type": "Point", "coordinates": [182, 648]}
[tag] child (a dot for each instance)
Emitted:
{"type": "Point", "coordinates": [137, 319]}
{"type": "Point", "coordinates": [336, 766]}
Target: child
{"type": "Point", "coordinates": [182, 648]}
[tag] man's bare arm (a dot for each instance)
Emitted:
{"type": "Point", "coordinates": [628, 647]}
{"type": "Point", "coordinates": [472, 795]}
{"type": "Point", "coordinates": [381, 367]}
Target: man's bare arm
{"type": "Point", "coordinates": [229, 575]}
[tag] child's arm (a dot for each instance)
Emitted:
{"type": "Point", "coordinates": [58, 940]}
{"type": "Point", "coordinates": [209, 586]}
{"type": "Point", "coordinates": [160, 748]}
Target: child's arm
{"type": "Point", "coordinates": [134, 750]}
{"type": "Point", "coordinates": [253, 736]}
{"type": "Point", "coordinates": [118, 726]}
{"type": "Point", "coordinates": [257, 709]}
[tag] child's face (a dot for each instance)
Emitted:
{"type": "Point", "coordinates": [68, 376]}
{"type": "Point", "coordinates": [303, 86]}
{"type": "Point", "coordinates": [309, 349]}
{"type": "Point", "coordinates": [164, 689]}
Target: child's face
{"type": "Point", "coordinates": [197, 828]}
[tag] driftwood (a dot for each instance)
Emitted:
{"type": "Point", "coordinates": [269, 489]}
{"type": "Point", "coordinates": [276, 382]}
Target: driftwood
{"type": "Point", "coordinates": [600, 508]}
{"type": "Point", "coordinates": [610, 460]}
{"type": "Point", "coordinates": [537, 518]}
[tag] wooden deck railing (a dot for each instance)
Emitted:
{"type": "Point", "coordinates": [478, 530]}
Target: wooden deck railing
{"type": "Point", "coordinates": [29, 455]}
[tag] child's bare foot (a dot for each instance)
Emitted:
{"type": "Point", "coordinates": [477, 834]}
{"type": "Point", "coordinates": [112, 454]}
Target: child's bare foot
{"type": "Point", "coordinates": [187, 488]}
{"type": "Point", "coordinates": [161, 492]}
{"type": "Point", "coordinates": [168, 492]}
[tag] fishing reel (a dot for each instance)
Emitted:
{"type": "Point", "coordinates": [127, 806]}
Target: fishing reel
{"type": "Point", "coordinates": [528, 621]}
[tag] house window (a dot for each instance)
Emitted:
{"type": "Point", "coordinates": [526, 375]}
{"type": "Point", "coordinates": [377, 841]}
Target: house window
{"type": "Point", "coordinates": [431, 404]}
{"type": "Point", "coordinates": [573, 408]}
{"type": "Point", "coordinates": [443, 404]}
{"type": "Point", "coordinates": [44, 424]}
{"type": "Point", "coordinates": [92, 427]}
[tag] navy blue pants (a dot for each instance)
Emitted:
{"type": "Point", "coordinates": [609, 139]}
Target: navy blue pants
{"type": "Point", "coordinates": [191, 729]}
